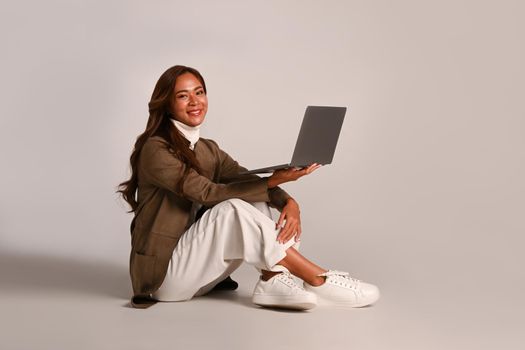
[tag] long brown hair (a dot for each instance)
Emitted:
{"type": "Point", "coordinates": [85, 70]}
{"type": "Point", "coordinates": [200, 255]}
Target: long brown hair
{"type": "Point", "coordinates": [159, 124]}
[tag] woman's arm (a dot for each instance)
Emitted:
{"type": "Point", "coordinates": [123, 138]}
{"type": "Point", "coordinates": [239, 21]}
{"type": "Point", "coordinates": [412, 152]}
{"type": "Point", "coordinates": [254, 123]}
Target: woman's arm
{"type": "Point", "coordinates": [229, 170]}
{"type": "Point", "coordinates": [159, 167]}
{"type": "Point", "coordinates": [290, 212]}
{"type": "Point", "coordinates": [279, 199]}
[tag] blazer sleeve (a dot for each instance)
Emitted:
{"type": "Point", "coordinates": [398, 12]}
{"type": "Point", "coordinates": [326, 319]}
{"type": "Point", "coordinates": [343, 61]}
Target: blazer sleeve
{"type": "Point", "coordinates": [229, 173]}
{"type": "Point", "coordinates": [160, 168]}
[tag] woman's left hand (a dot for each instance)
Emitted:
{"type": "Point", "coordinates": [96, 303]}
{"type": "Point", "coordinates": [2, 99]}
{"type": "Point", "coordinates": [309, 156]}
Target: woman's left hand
{"type": "Point", "coordinates": [291, 214]}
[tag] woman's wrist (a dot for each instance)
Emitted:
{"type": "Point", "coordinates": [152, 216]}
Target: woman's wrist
{"type": "Point", "coordinates": [271, 182]}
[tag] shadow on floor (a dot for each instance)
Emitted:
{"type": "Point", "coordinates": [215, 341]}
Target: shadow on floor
{"type": "Point", "coordinates": [245, 300]}
{"type": "Point", "coordinates": [230, 296]}
{"type": "Point", "coordinates": [43, 273]}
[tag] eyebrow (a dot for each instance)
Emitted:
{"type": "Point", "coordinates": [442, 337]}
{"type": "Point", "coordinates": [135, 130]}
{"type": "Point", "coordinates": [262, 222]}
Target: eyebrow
{"type": "Point", "coordinates": [197, 88]}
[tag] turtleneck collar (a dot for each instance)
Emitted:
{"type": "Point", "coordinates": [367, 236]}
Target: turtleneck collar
{"type": "Point", "coordinates": [191, 133]}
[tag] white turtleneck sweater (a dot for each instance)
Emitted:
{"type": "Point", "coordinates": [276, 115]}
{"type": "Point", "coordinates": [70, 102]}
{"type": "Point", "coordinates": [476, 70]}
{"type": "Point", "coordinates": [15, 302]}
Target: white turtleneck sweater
{"type": "Point", "coordinates": [191, 133]}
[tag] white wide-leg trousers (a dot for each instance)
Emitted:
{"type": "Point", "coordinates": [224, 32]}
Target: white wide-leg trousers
{"type": "Point", "coordinates": [213, 247]}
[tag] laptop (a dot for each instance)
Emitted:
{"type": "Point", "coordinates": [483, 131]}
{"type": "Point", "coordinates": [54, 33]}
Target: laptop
{"type": "Point", "coordinates": [317, 139]}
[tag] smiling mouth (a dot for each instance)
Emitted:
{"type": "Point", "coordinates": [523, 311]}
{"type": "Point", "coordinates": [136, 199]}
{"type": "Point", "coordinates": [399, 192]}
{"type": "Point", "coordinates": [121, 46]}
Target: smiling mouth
{"type": "Point", "coordinates": [195, 113]}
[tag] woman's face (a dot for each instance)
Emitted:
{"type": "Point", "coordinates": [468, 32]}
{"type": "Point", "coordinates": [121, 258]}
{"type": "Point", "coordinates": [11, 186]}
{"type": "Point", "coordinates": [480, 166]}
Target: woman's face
{"type": "Point", "coordinates": [190, 103]}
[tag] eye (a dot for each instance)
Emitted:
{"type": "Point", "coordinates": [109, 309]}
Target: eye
{"type": "Point", "coordinates": [200, 92]}
{"type": "Point", "coordinates": [182, 96]}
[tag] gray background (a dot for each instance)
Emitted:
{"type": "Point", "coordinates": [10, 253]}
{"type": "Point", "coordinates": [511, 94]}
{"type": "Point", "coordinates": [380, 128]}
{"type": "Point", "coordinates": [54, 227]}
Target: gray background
{"type": "Point", "coordinates": [425, 196]}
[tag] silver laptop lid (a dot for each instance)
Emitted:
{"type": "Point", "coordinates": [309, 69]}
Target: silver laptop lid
{"type": "Point", "coordinates": [318, 136]}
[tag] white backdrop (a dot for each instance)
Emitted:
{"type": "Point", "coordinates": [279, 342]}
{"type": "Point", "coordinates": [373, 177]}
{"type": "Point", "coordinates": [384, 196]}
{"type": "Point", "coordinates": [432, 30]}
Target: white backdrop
{"type": "Point", "coordinates": [428, 173]}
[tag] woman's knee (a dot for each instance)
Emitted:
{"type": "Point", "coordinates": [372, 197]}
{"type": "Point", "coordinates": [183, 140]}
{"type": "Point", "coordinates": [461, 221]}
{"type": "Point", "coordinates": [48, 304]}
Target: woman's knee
{"type": "Point", "coordinates": [240, 203]}
{"type": "Point", "coordinates": [263, 207]}
{"type": "Point", "coordinates": [232, 202]}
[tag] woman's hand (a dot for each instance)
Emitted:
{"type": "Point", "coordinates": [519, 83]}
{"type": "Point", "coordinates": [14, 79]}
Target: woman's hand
{"type": "Point", "coordinates": [290, 174]}
{"type": "Point", "coordinates": [291, 214]}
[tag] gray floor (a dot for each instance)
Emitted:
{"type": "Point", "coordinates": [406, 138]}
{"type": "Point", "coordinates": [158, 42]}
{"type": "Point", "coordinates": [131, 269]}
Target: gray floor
{"type": "Point", "coordinates": [59, 303]}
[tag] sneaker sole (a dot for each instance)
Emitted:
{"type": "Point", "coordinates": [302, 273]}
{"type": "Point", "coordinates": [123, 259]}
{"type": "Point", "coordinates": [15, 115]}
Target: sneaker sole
{"type": "Point", "coordinates": [343, 304]}
{"type": "Point", "coordinates": [284, 302]}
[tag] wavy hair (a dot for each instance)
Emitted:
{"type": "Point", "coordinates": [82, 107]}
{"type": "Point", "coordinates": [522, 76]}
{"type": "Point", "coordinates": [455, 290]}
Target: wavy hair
{"type": "Point", "coordinates": [159, 124]}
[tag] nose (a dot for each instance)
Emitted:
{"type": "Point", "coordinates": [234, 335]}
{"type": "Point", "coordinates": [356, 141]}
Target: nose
{"type": "Point", "coordinates": [193, 99]}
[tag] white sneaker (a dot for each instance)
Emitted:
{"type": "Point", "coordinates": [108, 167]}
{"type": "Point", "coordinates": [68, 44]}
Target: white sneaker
{"type": "Point", "coordinates": [281, 291]}
{"type": "Point", "coordinates": [342, 290]}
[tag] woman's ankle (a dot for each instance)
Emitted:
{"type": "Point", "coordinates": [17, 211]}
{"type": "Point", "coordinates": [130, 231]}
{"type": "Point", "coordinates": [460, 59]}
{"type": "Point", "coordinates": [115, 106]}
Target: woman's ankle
{"type": "Point", "coordinates": [316, 281]}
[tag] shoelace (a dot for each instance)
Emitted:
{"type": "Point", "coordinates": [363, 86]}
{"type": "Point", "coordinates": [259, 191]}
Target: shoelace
{"type": "Point", "coordinates": [286, 278]}
{"type": "Point", "coordinates": [342, 278]}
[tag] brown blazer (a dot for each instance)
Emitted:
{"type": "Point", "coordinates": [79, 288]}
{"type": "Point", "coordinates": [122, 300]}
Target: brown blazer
{"type": "Point", "coordinates": [163, 216]}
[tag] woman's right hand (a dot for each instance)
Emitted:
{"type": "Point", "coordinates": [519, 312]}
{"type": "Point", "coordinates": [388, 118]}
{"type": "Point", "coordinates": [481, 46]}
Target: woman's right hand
{"type": "Point", "coordinates": [290, 174]}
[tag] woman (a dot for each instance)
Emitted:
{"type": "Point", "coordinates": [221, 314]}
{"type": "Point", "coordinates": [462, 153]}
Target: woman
{"type": "Point", "coordinates": [176, 254]}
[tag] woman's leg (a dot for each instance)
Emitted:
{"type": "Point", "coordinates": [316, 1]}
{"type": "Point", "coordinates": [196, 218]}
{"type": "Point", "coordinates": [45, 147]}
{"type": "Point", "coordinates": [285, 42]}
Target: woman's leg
{"type": "Point", "coordinates": [299, 266]}
{"type": "Point", "coordinates": [229, 233]}
{"type": "Point", "coordinates": [295, 262]}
